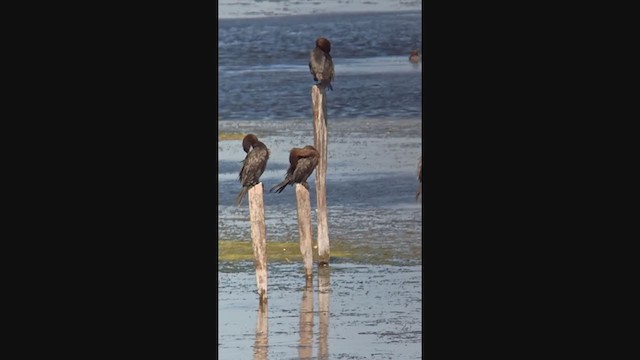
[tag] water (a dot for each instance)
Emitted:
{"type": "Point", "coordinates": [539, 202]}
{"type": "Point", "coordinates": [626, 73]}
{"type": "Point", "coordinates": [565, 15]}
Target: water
{"type": "Point", "coordinates": [347, 312]}
{"type": "Point", "coordinates": [375, 300]}
{"type": "Point", "coordinates": [367, 307]}
{"type": "Point", "coordinates": [371, 183]}
{"type": "Point", "coordinates": [261, 8]}
{"type": "Point", "coordinates": [263, 66]}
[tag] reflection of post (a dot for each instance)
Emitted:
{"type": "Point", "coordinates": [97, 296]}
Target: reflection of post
{"type": "Point", "coordinates": [261, 345]}
{"type": "Point", "coordinates": [304, 227]}
{"type": "Point", "coordinates": [320, 139]}
{"type": "Point", "coordinates": [259, 238]}
{"type": "Point", "coordinates": [305, 348]}
{"type": "Point", "coordinates": [324, 289]}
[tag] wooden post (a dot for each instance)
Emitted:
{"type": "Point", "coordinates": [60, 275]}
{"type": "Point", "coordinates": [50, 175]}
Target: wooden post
{"type": "Point", "coordinates": [304, 227]}
{"type": "Point", "coordinates": [320, 139]}
{"type": "Point", "coordinates": [324, 288]}
{"type": "Point", "coordinates": [259, 238]}
{"type": "Point", "coordinates": [261, 344]}
{"type": "Point", "coordinates": [305, 346]}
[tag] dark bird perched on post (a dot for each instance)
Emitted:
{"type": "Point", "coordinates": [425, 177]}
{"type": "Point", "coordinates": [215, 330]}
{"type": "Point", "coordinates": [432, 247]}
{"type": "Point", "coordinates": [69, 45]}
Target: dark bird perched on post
{"type": "Point", "coordinates": [321, 64]}
{"type": "Point", "coordinates": [419, 191]}
{"type": "Point", "coordinates": [253, 164]}
{"type": "Point", "coordinates": [302, 163]}
{"type": "Point", "coordinates": [414, 57]}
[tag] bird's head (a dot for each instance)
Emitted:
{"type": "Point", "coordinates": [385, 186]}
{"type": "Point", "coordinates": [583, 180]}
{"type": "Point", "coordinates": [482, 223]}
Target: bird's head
{"type": "Point", "coordinates": [324, 44]}
{"type": "Point", "coordinates": [248, 142]}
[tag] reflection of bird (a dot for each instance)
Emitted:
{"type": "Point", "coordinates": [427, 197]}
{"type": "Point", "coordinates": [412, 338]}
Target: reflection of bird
{"type": "Point", "coordinates": [415, 57]}
{"type": "Point", "coordinates": [253, 164]}
{"type": "Point", "coordinates": [321, 64]}
{"type": "Point", "coordinates": [302, 163]}
{"type": "Point", "coordinates": [419, 190]}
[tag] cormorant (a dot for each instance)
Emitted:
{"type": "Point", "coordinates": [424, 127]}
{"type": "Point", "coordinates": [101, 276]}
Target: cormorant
{"type": "Point", "coordinates": [253, 164]}
{"type": "Point", "coordinates": [321, 64]}
{"type": "Point", "coordinates": [302, 163]}
{"type": "Point", "coordinates": [414, 57]}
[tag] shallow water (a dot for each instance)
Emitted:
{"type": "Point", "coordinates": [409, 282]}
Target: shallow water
{"type": "Point", "coordinates": [228, 9]}
{"type": "Point", "coordinates": [263, 71]}
{"type": "Point", "coordinates": [371, 184]}
{"type": "Point", "coordinates": [373, 308]}
{"type": "Point", "coordinates": [367, 303]}
{"type": "Point", "coordinates": [347, 312]}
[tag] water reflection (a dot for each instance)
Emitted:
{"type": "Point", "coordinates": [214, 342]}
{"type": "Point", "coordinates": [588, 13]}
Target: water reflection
{"type": "Point", "coordinates": [305, 347]}
{"type": "Point", "coordinates": [261, 345]}
{"type": "Point", "coordinates": [324, 290]}
{"type": "Point", "coordinates": [306, 321]}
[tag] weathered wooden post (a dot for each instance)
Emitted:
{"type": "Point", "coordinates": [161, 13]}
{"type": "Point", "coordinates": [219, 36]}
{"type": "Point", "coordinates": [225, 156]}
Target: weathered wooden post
{"type": "Point", "coordinates": [259, 238]}
{"type": "Point", "coordinates": [324, 288]}
{"type": "Point", "coordinates": [320, 139]}
{"type": "Point", "coordinates": [305, 345]}
{"type": "Point", "coordinates": [261, 344]}
{"type": "Point", "coordinates": [304, 227]}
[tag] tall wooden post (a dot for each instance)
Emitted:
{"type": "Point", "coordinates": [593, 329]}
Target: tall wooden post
{"type": "Point", "coordinates": [259, 238]}
{"type": "Point", "coordinates": [304, 227]}
{"type": "Point", "coordinates": [320, 139]}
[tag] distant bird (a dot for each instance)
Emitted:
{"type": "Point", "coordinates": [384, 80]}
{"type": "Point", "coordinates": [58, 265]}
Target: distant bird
{"type": "Point", "coordinates": [302, 163]}
{"type": "Point", "coordinates": [253, 164]}
{"type": "Point", "coordinates": [321, 64]}
{"type": "Point", "coordinates": [415, 57]}
{"type": "Point", "coordinates": [419, 191]}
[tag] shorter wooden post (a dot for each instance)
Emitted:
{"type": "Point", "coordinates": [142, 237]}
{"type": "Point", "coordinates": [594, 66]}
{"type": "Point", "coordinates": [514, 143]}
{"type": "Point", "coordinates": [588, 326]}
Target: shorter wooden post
{"type": "Point", "coordinates": [304, 227]}
{"type": "Point", "coordinates": [259, 238]}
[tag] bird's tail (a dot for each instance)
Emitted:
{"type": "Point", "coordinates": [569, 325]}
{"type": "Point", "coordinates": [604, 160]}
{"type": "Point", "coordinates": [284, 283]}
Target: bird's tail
{"type": "Point", "coordinates": [278, 188]}
{"type": "Point", "coordinates": [325, 84]}
{"type": "Point", "coordinates": [241, 195]}
{"type": "Point", "coordinates": [418, 191]}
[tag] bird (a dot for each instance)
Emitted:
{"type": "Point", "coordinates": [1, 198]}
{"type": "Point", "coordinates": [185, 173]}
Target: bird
{"type": "Point", "coordinates": [253, 164]}
{"type": "Point", "coordinates": [321, 63]}
{"type": "Point", "coordinates": [419, 190]}
{"type": "Point", "coordinates": [302, 163]}
{"type": "Point", "coordinates": [414, 57]}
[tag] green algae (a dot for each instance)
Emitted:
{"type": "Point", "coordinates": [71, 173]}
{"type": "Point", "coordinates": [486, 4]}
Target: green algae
{"type": "Point", "coordinates": [242, 250]}
{"type": "Point", "coordinates": [222, 136]}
